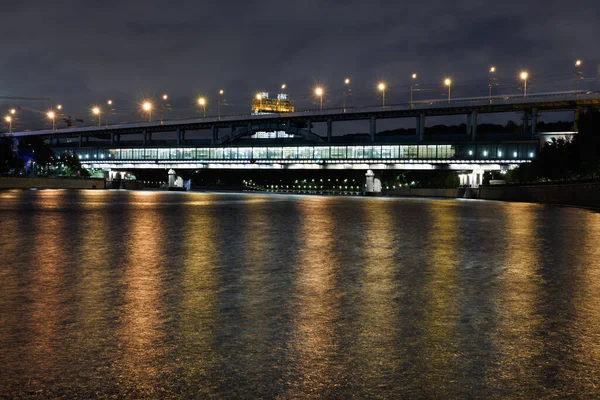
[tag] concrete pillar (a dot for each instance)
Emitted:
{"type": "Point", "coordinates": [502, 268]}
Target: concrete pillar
{"type": "Point", "coordinates": [112, 139]}
{"type": "Point", "coordinates": [526, 121]}
{"type": "Point", "coordinates": [421, 127]}
{"type": "Point", "coordinates": [80, 140]}
{"type": "Point", "coordinates": [145, 138]}
{"type": "Point", "coordinates": [57, 139]}
{"type": "Point", "coordinates": [576, 114]}
{"type": "Point", "coordinates": [369, 186]}
{"type": "Point", "coordinates": [178, 136]}
{"type": "Point", "coordinates": [373, 128]}
{"type": "Point", "coordinates": [308, 126]}
{"type": "Point", "coordinates": [329, 130]}
{"type": "Point", "coordinates": [473, 125]}
{"type": "Point", "coordinates": [534, 117]}
{"type": "Point", "coordinates": [215, 137]}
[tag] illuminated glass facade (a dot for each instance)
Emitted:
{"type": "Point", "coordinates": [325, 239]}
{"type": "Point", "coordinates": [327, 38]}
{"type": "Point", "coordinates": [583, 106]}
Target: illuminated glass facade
{"type": "Point", "coordinates": [383, 152]}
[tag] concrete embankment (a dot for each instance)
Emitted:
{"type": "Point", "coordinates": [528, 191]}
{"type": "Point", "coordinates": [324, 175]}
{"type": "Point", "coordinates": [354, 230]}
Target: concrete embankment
{"type": "Point", "coordinates": [422, 192]}
{"type": "Point", "coordinates": [577, 194]}
{"type": "Point", "coordinates": [50, 183]}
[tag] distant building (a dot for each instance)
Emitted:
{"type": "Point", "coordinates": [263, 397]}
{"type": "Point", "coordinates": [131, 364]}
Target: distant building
{"type": "Point", "coordinates": [262, 104]}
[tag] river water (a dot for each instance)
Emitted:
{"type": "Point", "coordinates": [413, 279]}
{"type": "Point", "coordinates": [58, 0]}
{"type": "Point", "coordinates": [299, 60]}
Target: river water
{"type": "Point", "coordinates": [181, 295]}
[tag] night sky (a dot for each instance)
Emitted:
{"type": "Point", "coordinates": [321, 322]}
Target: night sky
{"type": "Point", "coordinates": [81, 53]}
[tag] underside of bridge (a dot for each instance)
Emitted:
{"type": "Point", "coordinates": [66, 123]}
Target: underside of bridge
{"type": "Point", "coordinates": [251, 129]}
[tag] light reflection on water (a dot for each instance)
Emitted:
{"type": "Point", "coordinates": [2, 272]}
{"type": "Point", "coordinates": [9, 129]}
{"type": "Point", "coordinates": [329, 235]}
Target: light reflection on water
{"type": "Point", "coordinates": [153, 295]}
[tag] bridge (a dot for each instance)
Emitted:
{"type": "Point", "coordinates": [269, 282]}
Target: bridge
{"type": "Point", "coordinates": [228, 128]}
{"type": "Point", "coordinates": [103, 147]}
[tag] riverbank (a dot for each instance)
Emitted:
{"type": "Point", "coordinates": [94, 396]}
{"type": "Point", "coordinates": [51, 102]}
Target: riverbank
{"type": "Point", "coordinates": [36, 182]}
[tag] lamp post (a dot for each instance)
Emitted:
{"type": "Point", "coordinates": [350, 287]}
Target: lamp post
{"type": "Point", "coordinates": [524, 75]}
{"type": "Point", "coordinates": [8, 119]}
{"type": "Point", "coordinates": [346, 83]}
{"type": "Point", "coordinates": [163, 106]}
{"type": "Point", "coordinates": [578, 76]}
{"type": "Point", "coordinates": [52, 116]}
{"type": "Point", "coordinates": [202, 103]}
{"type": "Point", "coordinates": [96, 111]}
{"type": "Point", "coordinates": [448, 82]}
{"type": "Point", "coordinates": [219, 104]}
{"type": "Point", "coordinates": [319, 92]}
{"type": "Point", "coordinates": [412, 84]}
{"type": "Point", "coordinates": [147, 107]}
{"type": "Point", "coordinates": [491, 82]}
{"type": "Point", "coordinates": [381, 87]}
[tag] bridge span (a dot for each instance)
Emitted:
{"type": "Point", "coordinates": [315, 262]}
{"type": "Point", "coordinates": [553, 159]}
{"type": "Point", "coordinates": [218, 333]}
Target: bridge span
{"type": "Point", "coordinates": [227, 129]}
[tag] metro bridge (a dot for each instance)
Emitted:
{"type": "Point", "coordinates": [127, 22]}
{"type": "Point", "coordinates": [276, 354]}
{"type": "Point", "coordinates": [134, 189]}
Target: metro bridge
{"type": "Point", "coordinates": [102, 147]}
{"type": "Point", "coordinates": [228, 128]}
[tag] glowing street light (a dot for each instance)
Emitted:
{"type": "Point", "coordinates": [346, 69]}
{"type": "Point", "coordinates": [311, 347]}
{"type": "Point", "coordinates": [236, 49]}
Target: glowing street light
{"type": "Point", "coordinates": [59, 107]}
{"type": "Point", "coordinates": [448, 82]}
{"type": "Point", "coordinates": [8, 119]}
{"type": "Point", "coordinates": [319, 92]}
{"type": "Point", "coordinates": [381, 87]}
{"type": "Point", "coordinates": [147, 107]}
{"type": "Point", "coordinates": [96, 111]}
{"type": "Point", "coordinates": [491, 82]}
{"type": "Point", "coordinates": [202, 103]}
{"type": "Point", "coordinates": [165, 97]}
{"type": "Point", "coordinates": [346, 83]}
{"type": "Point", "coordinates": [221, 92]}
{"type": "Point", "coordinates": [13, 111]}
{"type": "Point", "coordinates": [52, 116]}
{"type": "Point", "coordinates": [578, 76]}
{"type": "Point", "coordinates": [412, 85]}
{"type": "Point", "coordinates": [283, 86]}
{"type": "Point", "coordinates": [524, 75]}
{"type": "Point", "coordinates": [109, 102]}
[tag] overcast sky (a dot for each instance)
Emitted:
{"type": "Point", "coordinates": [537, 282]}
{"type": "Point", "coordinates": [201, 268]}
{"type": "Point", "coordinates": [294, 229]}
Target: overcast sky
{"type": "Point", "coordinates": [80, 53]}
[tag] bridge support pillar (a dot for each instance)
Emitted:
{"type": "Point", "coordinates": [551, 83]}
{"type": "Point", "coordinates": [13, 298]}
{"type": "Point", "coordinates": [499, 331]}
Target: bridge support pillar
{"type": "Point", "coordinates": [112, 139]}
{"type": "Point", "coordinates": [57, 137]}
{"type": "Point", "coordinates": [308, 126]}
{"type": "Point", "coordinates": [534, 119]}
{"type": "Point", "coordinates": [472, 124]}
{"type": "Point", "coordinates": [329, 130]}
{"type": "Point", "coordinates": [373, 128]}
{"type": "Point", "coordinates": [420, 127]}
{"type": "Point", "coordinates": [180, 136]}
{"type": "Point", "coordinates": [145, 138]}
{"type": "Point", "coordinates": [526, 114]}
{"type": "Point", "coordinates": [215, 135]}
{"type": "Point", "coordinates": [576, 114]}
{"type": "Point", "coordinates": [80, 140]}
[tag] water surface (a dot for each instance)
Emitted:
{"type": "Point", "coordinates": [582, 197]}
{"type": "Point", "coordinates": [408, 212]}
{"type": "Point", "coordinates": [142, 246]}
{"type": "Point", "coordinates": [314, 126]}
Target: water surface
{"type": "Point", "coordinates": [175, 295]}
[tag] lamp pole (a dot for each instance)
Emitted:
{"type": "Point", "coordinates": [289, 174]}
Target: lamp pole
{"type": "Point", "coordinates": [346, 83]}
{"type": "Point", "coordinates": [448, 82]}
{"type": "Point", "coordinates": [414, 76]}
{"type": "Point", "coordinates": [491, 82]}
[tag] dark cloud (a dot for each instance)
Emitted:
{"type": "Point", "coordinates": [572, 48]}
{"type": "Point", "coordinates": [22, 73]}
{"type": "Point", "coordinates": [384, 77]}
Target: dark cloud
{"type": "Point", "coordinates": [81, 53]}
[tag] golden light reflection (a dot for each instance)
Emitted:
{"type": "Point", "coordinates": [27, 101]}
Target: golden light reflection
{"type": "Point", "coordinates": [441, 292]}
{"type": "Point", "coordinates": [313, 345]}
{"type": "Point", "coordinates": [141, 331]}
{"type": "Point", "coordinates": [377, 310]}
{"type": "Point", "coordinates": [199, 308]}
{"type": "Point", "coordinates": [48, 258]}
{"type": "Point", "coordinates": [519, 287]}
{"type": "Point", "coordinates": [587, 299]}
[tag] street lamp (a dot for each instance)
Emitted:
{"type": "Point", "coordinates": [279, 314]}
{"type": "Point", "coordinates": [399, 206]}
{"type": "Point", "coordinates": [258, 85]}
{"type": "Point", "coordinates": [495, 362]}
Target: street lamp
{"type": "Point", "coordinates": [8, 119]}
{"type": "Point", "coordinates": [319, 92]}
{"type": "Point", "coordinates": [448, 82]}
{"type": "Point", "coordinates": [202, 102]}
{"type": "Point", "coordinates": [109, 102]}
{"type": "Point", "coordinates": [163, 107]}
{"type": "Point", "coordinates": [346, 83]}
{"type": "Point", "coordinates": [147, 107]}
{"type": "Point", "coordinates": [52, 116]}
{"type": "Point", "coordinates": [578, 76]}
{"type": "Point", "coordinates": [524, 76]}
{"type": "Point", "coordinates": [412, 84]}
{"type": "Point", "coordinates": [59, 107]}
{"type": "Point", "coordinates": [219, 104]}
{"type": "Point", "coordinates": [491, 82]}
{"type": "Point", "coordinates": [96, 111]}
{"type": "Point", "coordinates": [13, 111]}
{"type": "Point", "coordinates": [283, 86]}
{"type": "Point", "coordinates": [382, 88]}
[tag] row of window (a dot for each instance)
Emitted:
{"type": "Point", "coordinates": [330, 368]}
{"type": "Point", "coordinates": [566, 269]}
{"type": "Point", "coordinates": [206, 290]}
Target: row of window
{"type": "Point", "coordinates": [461, 151]}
